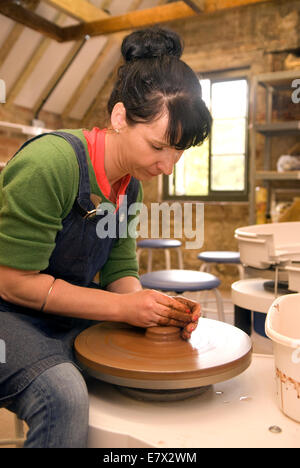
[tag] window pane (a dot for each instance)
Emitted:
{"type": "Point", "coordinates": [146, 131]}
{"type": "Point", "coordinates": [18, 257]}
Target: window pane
{"type": "Point", "coordinates": [196, 170]}
{"type": "Point", "coordinates": [229, 99]}
{"type": "Point", "coordinates": [192, 172]}
{"type": "Point", "coordinates": [205, 85]}
{"type": "Point", "coordinates": [179, 177]}
{"type": "Point", "coordinates": [228, 173]}
{"type": "Point", "coordinates": [220, 163]}
{"type": "Point", "coordinates": [228, 136]}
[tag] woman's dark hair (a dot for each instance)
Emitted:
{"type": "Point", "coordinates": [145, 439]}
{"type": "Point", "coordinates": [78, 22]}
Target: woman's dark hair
{"type": "Point", "coordinates": [154, 80]}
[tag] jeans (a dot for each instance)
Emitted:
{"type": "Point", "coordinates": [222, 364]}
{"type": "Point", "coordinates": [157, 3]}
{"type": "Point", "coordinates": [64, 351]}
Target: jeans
{"type": "Point", "coordinates": [55, 406]}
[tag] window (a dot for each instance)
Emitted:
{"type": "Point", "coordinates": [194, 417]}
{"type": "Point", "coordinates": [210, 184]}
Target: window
{"type": "Point", "coordinates": [217, 170]}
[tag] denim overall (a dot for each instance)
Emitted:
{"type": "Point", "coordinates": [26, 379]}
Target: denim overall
{"type": "Point", "coordinates": [36, 341]}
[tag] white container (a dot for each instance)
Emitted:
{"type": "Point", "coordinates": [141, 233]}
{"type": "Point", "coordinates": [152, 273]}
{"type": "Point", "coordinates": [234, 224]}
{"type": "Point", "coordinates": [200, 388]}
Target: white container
{"type": "Point", "coordinates": [263, 245]}
{"type": "Point", "coordinates": [293, 277]}
{"type": "Point", "coordinates": [283, 328]}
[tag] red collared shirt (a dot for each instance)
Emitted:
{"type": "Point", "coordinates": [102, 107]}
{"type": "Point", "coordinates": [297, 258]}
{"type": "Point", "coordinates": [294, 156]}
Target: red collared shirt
{"type": "Point", "coordinates": [96, 145]}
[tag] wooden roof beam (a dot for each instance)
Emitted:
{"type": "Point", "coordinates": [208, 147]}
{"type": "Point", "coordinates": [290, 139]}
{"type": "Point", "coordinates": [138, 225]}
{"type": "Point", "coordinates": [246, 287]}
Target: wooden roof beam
{"type": "Point", "coordinates": [216, 5]}
{"type": "Point", "coordinates": [30, 65]}
{"type": "Point", "coordinates": [18, 13]}
{"type": "Point", "coordinates": [196, 5]}
{"type": "Point", "coordinates": [79, 9]}
{"type": "Point", "coordinates": [132, 20]}
{"type": "Point", "coordinates": [159, 14]}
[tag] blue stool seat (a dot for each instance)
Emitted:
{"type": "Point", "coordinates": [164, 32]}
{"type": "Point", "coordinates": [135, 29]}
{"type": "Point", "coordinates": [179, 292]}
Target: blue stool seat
{"type": "Point", "coordinates": [181, 281]}
{"type": "Point", "coordinates": [159, 244]}
{"type": "Point", "coordinates": [220, 257]}
{"type": "Point", "coordinates": [165, 245]}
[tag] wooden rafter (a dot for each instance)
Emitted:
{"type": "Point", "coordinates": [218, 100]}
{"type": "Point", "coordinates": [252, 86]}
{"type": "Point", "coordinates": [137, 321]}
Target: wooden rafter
{"type": "Point", "coordinates": [216, 5]}
{"type": "Point", "coordinates": [30, 19]}
{"type": "Point", "coordinates": [132, 20]}
{"type": "Point", "coordinates": [112, 41]}
{"type": "Point", "coordinates": [159, 14]}
{"type": "Point", "coordinates": [14, 35]}
{"type": "Point", "coordinates": [196, 5]}
{"type": "Point", "coordinates": [79, 9]}
{"type": "Point", "coordinates": [56, 76]}
{"type": "Point", "coordinates": [135, 19]}
{"type": "Point", "coordinates": [87, 77]}
{"type": "Point", "coordinates": [10, 41]}
{"type": "Point", "coordinates": [105, 90]}
{"type": "Point", "coordinates": [30, 66]}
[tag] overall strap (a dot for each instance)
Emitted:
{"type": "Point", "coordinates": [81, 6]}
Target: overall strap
{"type": "Point", "coordinates": [83, 202]}
{"type": "Point", "coordinates": [133, 190]}
{"type": "Point", "coordinates": [83, 198]}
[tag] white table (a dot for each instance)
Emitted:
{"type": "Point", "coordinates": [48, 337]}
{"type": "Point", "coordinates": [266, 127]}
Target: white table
{"type": "Point", "coordinates": [208, 420]}
{"type": "Point", "coordinates": [250, 294]}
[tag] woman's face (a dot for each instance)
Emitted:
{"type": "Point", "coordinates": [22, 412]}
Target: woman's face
{"type": "Point", "coordinates": [144, 150]}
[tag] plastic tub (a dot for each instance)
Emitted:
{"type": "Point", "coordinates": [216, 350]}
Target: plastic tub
{"type": "Point", "coordinates": [283, 328]}
{"type": "Point", "coordinates": [293, 277]}
{"type": "Point", "coordinates": [264, 245]}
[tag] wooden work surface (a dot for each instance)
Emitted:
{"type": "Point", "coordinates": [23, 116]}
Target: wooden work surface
{"type": "Point", "coordinates": [159, 358]}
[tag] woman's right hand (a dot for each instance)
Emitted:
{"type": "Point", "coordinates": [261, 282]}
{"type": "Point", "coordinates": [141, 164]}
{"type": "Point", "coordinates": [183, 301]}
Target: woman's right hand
{"type": "Point", "coordinates": [148, 308]}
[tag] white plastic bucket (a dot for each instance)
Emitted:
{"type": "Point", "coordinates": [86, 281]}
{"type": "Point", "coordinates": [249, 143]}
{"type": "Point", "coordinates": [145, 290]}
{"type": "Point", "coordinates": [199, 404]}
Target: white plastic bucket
{"type": "Point", "coordinates": [283, 328]}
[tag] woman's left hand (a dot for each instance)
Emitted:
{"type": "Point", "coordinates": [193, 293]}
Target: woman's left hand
{"type": "Point", "coordinates": [195, 311]}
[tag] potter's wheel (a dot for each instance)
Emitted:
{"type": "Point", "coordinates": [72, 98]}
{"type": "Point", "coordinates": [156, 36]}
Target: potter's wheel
{"type": "Point", "coordinates": [158, 359]}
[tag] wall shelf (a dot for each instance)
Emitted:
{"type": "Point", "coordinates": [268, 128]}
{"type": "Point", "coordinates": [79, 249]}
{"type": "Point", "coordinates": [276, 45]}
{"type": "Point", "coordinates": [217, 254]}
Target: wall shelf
{"type": "Point", "coordinates": [274, 175]}
{"type": "Point", "coordinates": [273, 83]}
{"type": "Point", "coordinates": [278, 128]}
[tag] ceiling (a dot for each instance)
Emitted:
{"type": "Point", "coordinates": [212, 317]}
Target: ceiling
{"type": "Point", "coordinates": [57, 55]}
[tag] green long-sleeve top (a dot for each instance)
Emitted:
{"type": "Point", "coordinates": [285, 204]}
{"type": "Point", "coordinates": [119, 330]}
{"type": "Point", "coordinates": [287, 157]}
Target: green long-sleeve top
{"type": "Point", "coordinates": [37, 191]}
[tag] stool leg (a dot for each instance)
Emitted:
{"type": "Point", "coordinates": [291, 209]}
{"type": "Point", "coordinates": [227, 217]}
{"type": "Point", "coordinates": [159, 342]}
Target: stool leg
{"type": "Point", "coordinates": [220, 307]}
{"type": "Point", "coordinates": [206, 267]}
{"type": "Point", "coordinates": [168, 259]}
{"type": "Point", "coordinates": [241, 271]}
{"type": "Point", "coordinates": [149, 266]}
{"type": "Point", "coordinates": [204, 303]}
{"type": "Point", "coordinates": [180, 258]}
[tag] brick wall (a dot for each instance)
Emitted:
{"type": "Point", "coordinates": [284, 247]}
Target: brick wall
{"type": "Point", "coordinates": [11, 139]}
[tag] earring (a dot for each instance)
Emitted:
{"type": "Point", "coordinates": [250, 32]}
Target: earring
{"type": "Point", "coordinates": [117, 130]}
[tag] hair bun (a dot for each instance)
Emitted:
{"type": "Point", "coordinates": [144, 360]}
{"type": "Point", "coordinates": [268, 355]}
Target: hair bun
{"type": "Point", "coordinates": [151, 43]}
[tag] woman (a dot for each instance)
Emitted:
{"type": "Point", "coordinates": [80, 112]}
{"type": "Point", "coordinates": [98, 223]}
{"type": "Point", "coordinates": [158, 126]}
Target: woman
{"type": "Point", "coordinates": [50, 248]}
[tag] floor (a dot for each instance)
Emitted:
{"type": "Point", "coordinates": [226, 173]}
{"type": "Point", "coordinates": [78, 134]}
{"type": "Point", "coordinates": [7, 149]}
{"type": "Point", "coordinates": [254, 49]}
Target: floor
{"type": "Point", "coordinates": [261, 345]}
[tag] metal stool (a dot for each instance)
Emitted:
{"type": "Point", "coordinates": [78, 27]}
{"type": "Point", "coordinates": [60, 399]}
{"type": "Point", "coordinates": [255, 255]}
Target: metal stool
{"type": "Point", "coordinates": [19, 434]}
{"type": "Point", "coordinates": [182, 281]}
{"type": "Point", "coordinates": [164, 244]}
{"type": "Point", "coordinates": [221, 257]}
